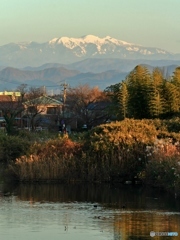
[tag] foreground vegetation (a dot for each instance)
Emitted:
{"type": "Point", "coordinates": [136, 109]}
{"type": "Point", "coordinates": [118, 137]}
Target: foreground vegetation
{"type": "Point", "coordinates": [130, 150]}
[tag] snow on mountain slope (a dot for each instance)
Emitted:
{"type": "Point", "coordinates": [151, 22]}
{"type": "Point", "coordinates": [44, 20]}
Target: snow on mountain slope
{"type": "Point", "coordinates": [67, 50]}
{"type": "Point", "coordinates": [101, 45]}
{"type": "Point", "coordinates": [86, 40]}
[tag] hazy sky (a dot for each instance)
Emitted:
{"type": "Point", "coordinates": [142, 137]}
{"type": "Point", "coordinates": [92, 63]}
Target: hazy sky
{"type": "Point", "coordinates": [151, 23]}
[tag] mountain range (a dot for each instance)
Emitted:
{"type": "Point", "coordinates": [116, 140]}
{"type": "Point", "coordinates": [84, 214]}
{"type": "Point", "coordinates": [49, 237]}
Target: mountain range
{"type": "Point", "coordinates": [54, 75]}
{"type": "Point", "coordinates": [89, 59]}
{"type": "Point", "coordinates": [66, 50]}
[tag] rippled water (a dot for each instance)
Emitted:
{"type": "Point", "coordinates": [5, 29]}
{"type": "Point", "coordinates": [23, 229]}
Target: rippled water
{"type": "Point", "coordinates": [77, 211]}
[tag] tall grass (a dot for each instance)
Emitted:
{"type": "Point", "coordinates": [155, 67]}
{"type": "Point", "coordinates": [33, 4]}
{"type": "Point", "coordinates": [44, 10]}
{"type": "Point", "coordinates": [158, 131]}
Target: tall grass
{"type": "Point", "coordinates": [57, 159]}
{"type": "Point", "coordinates": [110, 152]}
{"type": "Point", "coordinates": [163, 167]}
{"type": "Point", "coordinates": [116, 151]}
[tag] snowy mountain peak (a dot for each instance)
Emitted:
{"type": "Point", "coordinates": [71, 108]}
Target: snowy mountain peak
{"type": "Point", "coordinates": [69, 42]}
{"type": "Point", "coordinates": [53, 41]}
{"type": "Point", "coordinates": [93, 39]}
{"type": "Point", "coordinates": [68, 50]}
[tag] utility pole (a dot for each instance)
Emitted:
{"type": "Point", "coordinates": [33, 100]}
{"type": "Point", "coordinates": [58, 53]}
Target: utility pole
{"type": "Point", "coordinates": [65, 86]}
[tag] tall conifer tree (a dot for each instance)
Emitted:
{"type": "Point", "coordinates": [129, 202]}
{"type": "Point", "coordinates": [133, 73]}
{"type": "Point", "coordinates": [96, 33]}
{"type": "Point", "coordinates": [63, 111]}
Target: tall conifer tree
{"type": "Point", "coordinates": [138, 84]}
{"type": "Point", "coordinates": [156, 100]}
{"type": "Point", "coordinates": [123, 100]}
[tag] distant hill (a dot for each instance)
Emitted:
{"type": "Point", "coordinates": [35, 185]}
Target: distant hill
{"type": "Point", "coordinates": [103, 65]}
{"type": "Point", "coordinates": [123, 65]}
{"type": "Point", "coordinates": [53, 75]}
{"type": "Point", "coordinates": [10, 78]}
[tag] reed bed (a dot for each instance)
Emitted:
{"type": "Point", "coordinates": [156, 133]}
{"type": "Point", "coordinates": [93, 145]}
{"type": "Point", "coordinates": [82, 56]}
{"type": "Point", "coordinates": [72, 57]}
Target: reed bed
{"type": "Point", "coordinates": [54, 160]}
{"type": "Point", "coordinates": [118, 151]}
{"type": "Point", "coordinates": [163, 166]}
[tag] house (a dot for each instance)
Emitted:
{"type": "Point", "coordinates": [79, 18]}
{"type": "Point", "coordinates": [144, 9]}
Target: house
{"type": "Point", "coordinates": [43, 111]}
{"type": "Point", "coordinates": [11, 94]}
{"type": "Point", "coordinates": [98, 113]}
{"type": "Point", "coordinates": [35, 113]}
{"type": "Point", "coordinates": [10, 107]}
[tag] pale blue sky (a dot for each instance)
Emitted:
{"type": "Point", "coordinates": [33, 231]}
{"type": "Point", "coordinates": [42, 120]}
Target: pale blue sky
{"type": "Point", "coordinates": [151, 23]}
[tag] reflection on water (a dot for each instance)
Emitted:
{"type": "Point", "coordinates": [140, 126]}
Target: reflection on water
{"type": "Point", "coordinates": [81, 211]}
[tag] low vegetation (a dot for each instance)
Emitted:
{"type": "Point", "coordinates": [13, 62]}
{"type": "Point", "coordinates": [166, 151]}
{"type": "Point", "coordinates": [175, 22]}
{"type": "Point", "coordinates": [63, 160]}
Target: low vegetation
{"type": "Point", "coordinates": [58, 159]}
{"type": "Point", "coordinates": [115, 152]}
{"type": "Point", "coordinates": [129, 150]}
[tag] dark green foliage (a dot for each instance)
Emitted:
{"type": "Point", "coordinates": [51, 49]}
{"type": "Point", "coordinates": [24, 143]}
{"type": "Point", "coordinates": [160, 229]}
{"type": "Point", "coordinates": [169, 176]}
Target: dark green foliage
{"type": "Point", "coordinates": [176, 77]}
{"type": "Point", "coordinates": [163, 172]}
{"type": "Point", "coordinates": [12, 147]}
{"type": "Point", "coordinates": [123, 100]}
{"type": "Point", "coordinates": [171, 96]}
{"type": "Point", "coordinates": [166, 125]}
{"type": "Point", "coordinates": [156, 100]}
{"type": "Point", "coordinates": [138, 85]}
{"type": "Point", "coordinates": [113, 93]}
{"type": "Point", "coordinates": [146, 95]}
{"type": "Point", "coordinates": [173, 125]}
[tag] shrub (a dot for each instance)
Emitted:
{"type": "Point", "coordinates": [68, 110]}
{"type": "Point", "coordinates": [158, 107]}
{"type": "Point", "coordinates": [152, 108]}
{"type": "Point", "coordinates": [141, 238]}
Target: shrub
{"type": "Point", "coordinates": [163, 167]}
{"type": "Point", "coordinates": [116, 150]}
{"type": "Point", "coordinates": [12, 147]}
{"type": "Point", "coordinates": [57, 159]}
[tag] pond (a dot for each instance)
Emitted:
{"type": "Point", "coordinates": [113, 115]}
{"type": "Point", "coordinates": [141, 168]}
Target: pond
{"type": "Point", "coordinates": [86, 211]}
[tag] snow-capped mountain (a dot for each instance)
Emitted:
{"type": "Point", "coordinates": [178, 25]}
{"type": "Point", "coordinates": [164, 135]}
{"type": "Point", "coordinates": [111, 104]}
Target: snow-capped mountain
{"type": "Point", "coordinates": [68, 50]}
{"type": "Point", "coordinates": [95, 46]}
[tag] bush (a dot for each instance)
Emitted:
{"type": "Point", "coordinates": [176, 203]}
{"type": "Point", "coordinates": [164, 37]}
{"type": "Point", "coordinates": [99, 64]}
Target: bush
{"type": "Point", "coordinates": [166, 125]}
{"type": "Point", "coordinates": [38, 136]}
{"type": "Point", "coordinates": [55, 160]}
{"type": "Point", "coordinates": [163, 167]}
{"type": "Point", "coordinates": [12, 147]}
{"type": "Point", "coordinates": [116, 151]}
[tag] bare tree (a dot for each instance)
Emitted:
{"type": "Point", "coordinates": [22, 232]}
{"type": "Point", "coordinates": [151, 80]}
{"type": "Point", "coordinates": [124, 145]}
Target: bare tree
{"type": "Point", "coordinates": [34, 105]}
{"type": "Point", "coordinates": [23, 90]}
{"type": "Point", "coordinates": [87, 104]}
{"type": "Point", "coordinates": [11, 108]}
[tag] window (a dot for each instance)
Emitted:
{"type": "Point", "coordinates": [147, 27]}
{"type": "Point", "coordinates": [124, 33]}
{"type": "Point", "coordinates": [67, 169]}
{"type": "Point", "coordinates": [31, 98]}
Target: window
{"type": "Point", "coordinates": [52, 110]}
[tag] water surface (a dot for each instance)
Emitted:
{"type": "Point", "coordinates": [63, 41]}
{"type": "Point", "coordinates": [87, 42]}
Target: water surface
{"type": "Point", "coordinates": [81, 211]}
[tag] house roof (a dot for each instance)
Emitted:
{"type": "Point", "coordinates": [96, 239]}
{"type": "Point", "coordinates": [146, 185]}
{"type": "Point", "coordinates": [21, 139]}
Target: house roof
{"type": "Point", "coordinates": [5, 98]}
{"type": "Point", "coordinates": [16, 94]}
{"type": "Point", "coordinates": [98, 105]}
{"type": "Point", "coordinates": [7, 102]}
{"type": "Point", "coordinates": [43, 100]}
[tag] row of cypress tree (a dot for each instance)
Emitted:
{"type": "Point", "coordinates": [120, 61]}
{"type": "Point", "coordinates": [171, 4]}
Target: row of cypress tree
{"type": "Point", "coordinates": [145, 94]}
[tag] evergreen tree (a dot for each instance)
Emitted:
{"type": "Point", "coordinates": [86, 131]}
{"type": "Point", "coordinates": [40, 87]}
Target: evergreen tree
{"type": "Point", "coordinates": [123, 100]}
{"type": "Point", "coordinates": [156, 100]}
{"type": "Point", "coordinates": [113, 93]}
{"type": "Point", "coordinates": [138, 85]}
{"type": "Point", "coordinates": [171, 96]}
{"type": "Point", "coordinates": [176, 77]}
{"type": "Point", "coordinates": [176, 82]}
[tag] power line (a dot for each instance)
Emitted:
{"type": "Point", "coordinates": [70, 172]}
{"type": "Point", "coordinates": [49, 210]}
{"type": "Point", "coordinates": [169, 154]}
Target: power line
{"type": "Point", "coordinates": [30, 85]}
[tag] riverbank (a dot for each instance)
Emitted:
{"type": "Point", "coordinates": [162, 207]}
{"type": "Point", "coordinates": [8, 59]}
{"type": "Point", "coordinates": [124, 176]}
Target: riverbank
{"type": "Point", "coordinates": [130, 150]}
